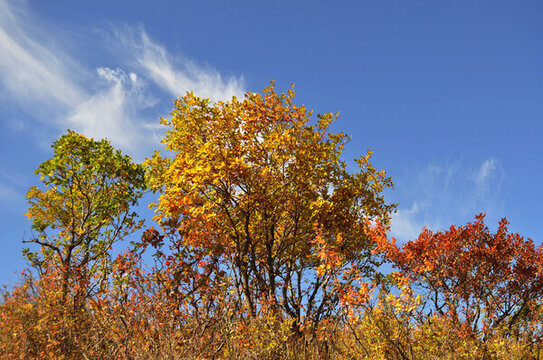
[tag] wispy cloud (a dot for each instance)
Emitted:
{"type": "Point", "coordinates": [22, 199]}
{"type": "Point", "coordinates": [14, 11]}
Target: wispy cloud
{"type": "Point", "coordinates": [404, 224]}
{"type": "Point", "coordinates": [104, 102]}
{"type": "Point", "coordinates": [178, 74]}
{"type": "Point", "coordinates": [485, 173]}
{"type": "Point", "coordinates": [448, 193]}
{"type": "Point", "coordinates": [113, 111]}
{"type": "Point", "coordinates": [29, 69]}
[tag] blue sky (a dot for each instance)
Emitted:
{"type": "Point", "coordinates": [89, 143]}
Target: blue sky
{"type": "Point", "coordinates": [448, 95]}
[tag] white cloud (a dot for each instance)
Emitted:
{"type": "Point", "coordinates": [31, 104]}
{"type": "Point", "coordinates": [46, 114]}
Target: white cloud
{"type": "Point", "coordinates": [484, 174]}
{"type": "Point", "coordinates": [177, 75]}
{"type": "Point", "coordinates": [113, 111]}
{"type": "Point", "coordinates": [100, 103]}
{"type": "Point", "coordinates": [29, 69]}
{"type": "Point", "coordinates": [405, 225]}
{"type": "Point", "coordinates": [449, 193]}
{"type": "Point", "coordinates": [106, 105]}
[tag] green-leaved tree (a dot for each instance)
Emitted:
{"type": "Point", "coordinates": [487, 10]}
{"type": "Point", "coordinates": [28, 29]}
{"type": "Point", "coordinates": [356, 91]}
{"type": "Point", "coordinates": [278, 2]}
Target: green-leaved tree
{"type": "Point", "coordinates": [83, 206]}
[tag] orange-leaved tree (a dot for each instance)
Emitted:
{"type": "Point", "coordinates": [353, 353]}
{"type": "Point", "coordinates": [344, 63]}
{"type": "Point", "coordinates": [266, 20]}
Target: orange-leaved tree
{"type": "Point", "coordinates": [486, 282]}
{"type": "Point", "coordinates": [256, 192]}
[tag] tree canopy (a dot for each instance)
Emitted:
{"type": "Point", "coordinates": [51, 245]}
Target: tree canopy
{"type": "Point", "coordinates": [478, 278]}
{"type": "Point", "coordinates": [268, 244]}
{"type": "Point", "coordinates": [259, 188]}
{"type": "Point", "coordinates": [85, 203]}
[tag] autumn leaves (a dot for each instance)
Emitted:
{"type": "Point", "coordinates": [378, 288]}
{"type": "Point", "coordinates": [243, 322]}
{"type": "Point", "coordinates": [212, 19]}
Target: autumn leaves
{"type": "Point", "coordinates": [264, 246]}
{"type": "Point", "coordinates": [259, 191]}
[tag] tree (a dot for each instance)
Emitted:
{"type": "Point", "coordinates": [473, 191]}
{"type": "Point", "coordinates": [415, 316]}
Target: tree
{"type": "Point", "coordinates": [486, 282]}
{"type": "Point", "coordinates": [83, 207]}
{"type": "Point", "coordinates": [259, 196]}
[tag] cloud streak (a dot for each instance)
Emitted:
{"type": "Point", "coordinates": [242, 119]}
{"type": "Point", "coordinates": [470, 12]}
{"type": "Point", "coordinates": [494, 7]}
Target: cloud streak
{"type": "Point", "coordinates": [177, 75]}
{"type": "Point", "coordinates": [30, 69]}
{"type": "Point", "coordinates": [114, 103]}
{"type": "Point", "coordinates": [449, 193]}
{"type": "Point", "coordinates": [113, 111]}
{"type": "Point", "coordinates": [484, 175]}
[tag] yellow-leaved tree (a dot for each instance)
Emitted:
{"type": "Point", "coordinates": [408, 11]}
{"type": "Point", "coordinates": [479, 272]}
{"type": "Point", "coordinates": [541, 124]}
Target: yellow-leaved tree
{"type": "Point", "coordinates": [254, 194]}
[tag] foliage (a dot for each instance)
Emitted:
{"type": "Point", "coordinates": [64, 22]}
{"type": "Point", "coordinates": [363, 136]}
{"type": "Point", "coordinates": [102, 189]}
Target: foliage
{"type": "Point", "coordinates": [396, 324]}
{"type": "Point", "coordinates": [84, 205]}
{"type": "Point", "coordinates": [38, 323]}
{"type": "Point", "coordinates": [255, 190]}
{"type": "Point", "coordinates": [266, 248]}
{"type": "Point", "coordinates": [484, 282]}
